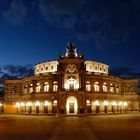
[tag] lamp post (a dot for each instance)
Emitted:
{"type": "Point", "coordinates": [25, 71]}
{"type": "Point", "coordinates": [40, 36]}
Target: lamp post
{"type": "Point", "coordinates": [29, 104]}
{"type": "Point", "coordinates": [120, 106]}
{"type": "Point", "coordinates": [1, 105]}
{"type": "Point", "coordinates": [37, 104]}
{"type": "Point", "coordinates": [17, 107]}
{"type": "Point", "coordinates": [46, 104]}
{"type": "Point", "coordinates": [125, 104]}
{"type": "Point", "coordinates": [105, 106]}
{"type": "Point", "coordinates": [96, 103]}
{"type": "Point", "coordinates": [22, 107]}
{"type": "Point", "coordinates": [113, 106]}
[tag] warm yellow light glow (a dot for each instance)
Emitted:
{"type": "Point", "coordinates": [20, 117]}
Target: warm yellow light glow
{"type": "Point", "coordinates": [1, 104]}
{"type": "Point", "coordinates": [71, 81]}
{"type": "Point", "coordinates": [17, 104]}
{"type": "Point", "coordinates": [96, 103]}
{"type": "Point", "coordinates": [105, 103]}
{"type": "Point", "coordinates": [55, 101]}
{"type": "Point", "coordinates": [37, 103]}
{"type": "Point", "coordinates": [29, 104]}
{"type": "Point", "coordinates": [46, 103]}
{"type": "Point", "coordinates": [72, 100]}
{"type": "Point", "coordinates": [22, 104]}
{"type": "Point", "coordinates": [88, 101]}
{"type": "Point", "coordinates": [125, 103]}
{"type": "Point", "coordinates": [96, 86]}
{"type": "Point", "coordinates": [114, 103]}
{"type": "Point", "coordinates": [38, 87]}
{"type": "Point", "coordinates": [120, 103]}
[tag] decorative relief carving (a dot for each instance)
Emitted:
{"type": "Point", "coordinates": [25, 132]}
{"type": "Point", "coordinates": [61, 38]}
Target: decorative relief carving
{"type": "Point", "coordinates": [71, 68]}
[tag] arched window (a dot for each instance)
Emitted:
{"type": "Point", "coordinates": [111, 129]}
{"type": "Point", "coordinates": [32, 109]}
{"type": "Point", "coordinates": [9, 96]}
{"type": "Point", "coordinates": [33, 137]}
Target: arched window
{"type": "Point", "coordinates": [104, 87]}
{"type": "Point", "coordinates": [111, 88]}
{"type": "Point", "coordinates": [88, 86]}
{"type": "Point", "coordinates": [46, 87]}
{"type": "Point", "coordinates": [88, 102]}
{"type": "Point", "coordinates": [96, 86]}
{"type": "Point", "coordinates": [25, 89]}
{"type": "Point", "coordinates": [55, 86]}
{"type": "Point", "coordinates": [38, 87]}
{"type": "Point", "coordinates": [31, 88]}
{"type": "Point", "coordinates": [55, 103]}
{"type": "Point", "coordinates": [117, 89]}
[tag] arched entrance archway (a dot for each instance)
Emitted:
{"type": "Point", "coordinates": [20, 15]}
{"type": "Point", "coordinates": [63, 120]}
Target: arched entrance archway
{"type": "Point", "coordinates": [71, 105]}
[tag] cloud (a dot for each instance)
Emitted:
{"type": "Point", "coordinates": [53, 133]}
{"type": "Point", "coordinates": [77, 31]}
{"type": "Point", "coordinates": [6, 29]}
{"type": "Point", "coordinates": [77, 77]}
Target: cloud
{"type": "Point", "coordinates": [14, 72]}
{"type": "Point", "coordinates": [104, 22]}
{"type": "Point", "coordinates": [18, 70]}
{"type": "Point", "coordinates": [59, 12]}
{"type": "Point", "coordinates": [16, 13]}
{"type": "Point", "coordinates": [124, 72]}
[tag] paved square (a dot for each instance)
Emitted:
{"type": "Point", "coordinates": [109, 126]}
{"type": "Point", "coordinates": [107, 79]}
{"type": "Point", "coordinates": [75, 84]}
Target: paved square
{"type": "Point", "coordinates": [93, 127]}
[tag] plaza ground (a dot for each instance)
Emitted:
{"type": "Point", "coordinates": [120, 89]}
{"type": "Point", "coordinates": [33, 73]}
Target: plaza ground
{"type": "Point", "coordinates": [91, 127]}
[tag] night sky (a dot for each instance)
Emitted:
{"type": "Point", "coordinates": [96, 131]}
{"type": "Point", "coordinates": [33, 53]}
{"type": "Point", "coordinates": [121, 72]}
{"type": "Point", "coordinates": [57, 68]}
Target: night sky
{"type": "Point", "coordinates": [32, 31]}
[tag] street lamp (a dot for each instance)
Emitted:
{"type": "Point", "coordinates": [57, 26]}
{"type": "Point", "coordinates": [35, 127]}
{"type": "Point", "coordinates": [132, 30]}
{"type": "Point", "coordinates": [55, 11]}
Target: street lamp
{"type": "Point", "coordinates": [125, 104]}
{"type": "Point", "coordinates": [105, 106]}
{"type": "Point", "coordinates": [120, 106]}
{"type": "Point", "coordinates": [22, 106]}
{"type": "Point", "coordinates": [46, 104]}
{"type": "Point", "coordinates": [96, 103]}
{"type": "Point", "coordinates": [1, 110]}
{"type": "Point", "coordinates": [113, 106]}
{"type": "Point", "coordinates": [29, 104]}
{"type": "Point", "coordinates": [37, 104]}
{"type": "Point", "coordinates": [17, 107]}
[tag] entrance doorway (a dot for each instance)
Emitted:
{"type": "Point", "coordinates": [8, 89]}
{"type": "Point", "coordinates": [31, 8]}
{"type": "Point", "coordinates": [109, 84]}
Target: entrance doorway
{"type": "Point", "coordinates": [71, 105]}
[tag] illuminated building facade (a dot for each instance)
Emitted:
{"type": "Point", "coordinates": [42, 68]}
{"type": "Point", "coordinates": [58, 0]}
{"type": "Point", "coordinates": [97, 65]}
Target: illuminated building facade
{"type": "Point", "coordinates": [71, 85]}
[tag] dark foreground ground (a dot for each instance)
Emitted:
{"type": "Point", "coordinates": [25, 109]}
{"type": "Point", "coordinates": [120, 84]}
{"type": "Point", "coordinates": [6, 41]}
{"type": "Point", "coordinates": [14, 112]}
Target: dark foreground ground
{"type": "Point", "coordinates": [95, 127]}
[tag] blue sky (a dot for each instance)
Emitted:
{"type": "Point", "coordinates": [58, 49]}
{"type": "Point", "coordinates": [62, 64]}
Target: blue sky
{"type": "Point", "coordinates": [32, 31]}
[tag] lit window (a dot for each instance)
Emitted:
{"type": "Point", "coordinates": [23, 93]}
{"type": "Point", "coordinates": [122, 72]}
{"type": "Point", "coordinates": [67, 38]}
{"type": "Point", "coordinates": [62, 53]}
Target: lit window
{"type": "Point", "coordinates": [31, 88]}
{"type": "Point", "coordinates": [38, 87]}
{"type": "Point", "coordinates": [46, 87]}
{"type": "Point", "coordinates": [117, 89]}
{"type": "Point", "coordinates": [55, 86]}
{"type": "Point", "coordinates": [25, 89]}
{"type": "Point", "coordinates": [104, 87]}
{"type": "Point", "coordinates": [111, 88]}
{"type": "Point", "coordinates": [88, 102]}
{"type": "Point", "coordinates": [96, 86]}
{"type": "Point", "coordinates": [88, 86]}
{"type": "Point", "coordinates": [55, 103]}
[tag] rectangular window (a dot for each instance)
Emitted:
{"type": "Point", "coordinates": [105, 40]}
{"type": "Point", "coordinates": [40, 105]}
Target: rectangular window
{"type": "Point", "coordinates": [52, 67]}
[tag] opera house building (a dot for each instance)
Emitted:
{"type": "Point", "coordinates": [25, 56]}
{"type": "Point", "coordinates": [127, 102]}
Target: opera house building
{"type": "Point", "coordinates": [71, 84]}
